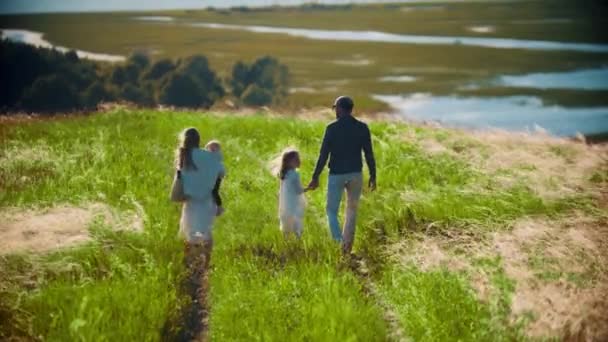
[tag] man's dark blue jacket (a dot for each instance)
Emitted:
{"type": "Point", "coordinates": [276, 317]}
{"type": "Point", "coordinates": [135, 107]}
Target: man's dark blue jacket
{"type": "Point", "coordinates": [343, 142]}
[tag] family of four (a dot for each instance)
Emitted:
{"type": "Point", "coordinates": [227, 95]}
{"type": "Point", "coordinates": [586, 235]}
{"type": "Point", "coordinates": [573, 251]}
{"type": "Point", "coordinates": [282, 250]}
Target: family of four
{"type": "Point", "coordinates": [201, 171]}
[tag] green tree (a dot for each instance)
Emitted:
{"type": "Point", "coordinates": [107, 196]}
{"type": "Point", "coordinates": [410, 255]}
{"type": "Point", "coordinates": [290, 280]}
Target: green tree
{"type": "Point", "coordinates": [124, 74]}
{"type": "Point", "coordinates": [119, 76]}
{"type": "Point", "coordinates": [95, 94]}
{"type": "Point", "coordinates": [182, 90]}
{"type": "Point", "coordinates": [192, 84]}
{"type": "Point", "coordinates": [255, 95]}
{"type": "Point", "coordinates": [140, 60]}
{"type": "Point", "coordinates": [269, 74]}
{"type": "Point", "coordinates": [159, 69]}
{"type": "Point", "coordinates": [72, 56]}
{"type": "Point", "coordinates": [132, 93]}
{"type": "Point", "coordinates": [197, 67]}
{"type": "Point", "coordinates": [240, 78]}
{"type": "Point", "coordinates": [262, 83]}
{"type": "Point", "coordinates": [50, 94]}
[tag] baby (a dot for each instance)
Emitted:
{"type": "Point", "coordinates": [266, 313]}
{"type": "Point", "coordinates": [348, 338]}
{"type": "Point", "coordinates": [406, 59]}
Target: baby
{"type": "Point", "coordinates": [215, 147]}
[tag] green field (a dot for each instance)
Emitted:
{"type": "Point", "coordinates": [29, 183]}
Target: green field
{"type": "Point", "coordinates": [322, 70]}
{"type": "Point", "coordinates": [436, 187]}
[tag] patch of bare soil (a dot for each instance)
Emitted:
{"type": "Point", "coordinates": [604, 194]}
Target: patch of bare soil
{"type": "Point", "coordinates": [593, 324]}
{"type": "Point", "coordinates": [575, 249]}
{"type": "Point", "coordinates": [553, 167]}
{"type": "Point", "coordinates": [560, 269]}
{"type": "Point", "coordinates": [45, 230]}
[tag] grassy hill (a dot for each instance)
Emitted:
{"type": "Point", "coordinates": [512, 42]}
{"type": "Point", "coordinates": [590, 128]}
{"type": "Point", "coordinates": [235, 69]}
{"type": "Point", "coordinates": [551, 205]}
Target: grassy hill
{"type": "Point", "coordinates": [468, 236]}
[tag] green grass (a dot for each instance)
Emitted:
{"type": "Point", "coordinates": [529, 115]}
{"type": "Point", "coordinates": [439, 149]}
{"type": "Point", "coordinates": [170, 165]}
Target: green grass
{"type": "Point", "coordinates": [126, 286]}
{"type": "Point", "coordinates": [428, 302]}
{"type": "Point", "coordinates": [440, 70]}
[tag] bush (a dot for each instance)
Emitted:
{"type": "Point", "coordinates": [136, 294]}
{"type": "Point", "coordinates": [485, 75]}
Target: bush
{"type": "Point", "coordinates": [240, 78]}
{"type": "Point", "coordinates": [21, 65]}
{"type": "Point", "coordinates": [50, 94]}
{"type": "Point", "coordinates": [198, 68]}
{"type": "Point", "coordinates": [159, 69]}
{"type": "Point", "coordinates": [193, 84]}
{"type": "Point", "coordinates": [119, 76]}
{"type": "Point", "coordinates": [182, 90]}
{"type": "Point", "coordinates": [95, 94]}
{"type": "Point", "coordinates": [255, 95]}
{"type": "Point", "coordinates": [72, 56]}
{"type": "Point", "coordinates": [47, 80]}
{"type": "Point", "coordinates": [140, 60]}
{"type": "Point", "coordinates": [262, 83]}
{"type": "Point", "coordinates": [268, 73]}
{"type": "Point", "coordinates": [125, 74]}
{"type": "Point", "coordinates": [135, 94]}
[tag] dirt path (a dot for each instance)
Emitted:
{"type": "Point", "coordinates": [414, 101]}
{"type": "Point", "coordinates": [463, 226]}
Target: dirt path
{"type": "Point", "coordinates": [359, 267]}
{"type": "Point", "coordinates": [193, 323]}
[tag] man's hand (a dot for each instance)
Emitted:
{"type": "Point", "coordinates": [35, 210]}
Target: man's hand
{"type": "Point", "coordinates": [372, 184]}
{"type": "Point", "coordinates": [313, 184]}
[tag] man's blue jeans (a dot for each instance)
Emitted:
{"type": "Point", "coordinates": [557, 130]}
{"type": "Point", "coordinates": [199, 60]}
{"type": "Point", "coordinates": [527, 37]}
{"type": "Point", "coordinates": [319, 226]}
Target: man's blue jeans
{"type": "Point", "coordinates": [353, 184]}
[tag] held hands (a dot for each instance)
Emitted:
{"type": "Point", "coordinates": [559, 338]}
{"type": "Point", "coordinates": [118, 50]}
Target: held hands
{"type": "Point", "coordinates": [313, 185]}
{"type": "Point", "coordinates": [372, 184]}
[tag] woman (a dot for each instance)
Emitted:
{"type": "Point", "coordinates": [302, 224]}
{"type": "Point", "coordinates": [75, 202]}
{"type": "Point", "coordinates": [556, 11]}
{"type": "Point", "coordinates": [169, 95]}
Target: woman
{"type": "Point", "coordinates": [199, 170]}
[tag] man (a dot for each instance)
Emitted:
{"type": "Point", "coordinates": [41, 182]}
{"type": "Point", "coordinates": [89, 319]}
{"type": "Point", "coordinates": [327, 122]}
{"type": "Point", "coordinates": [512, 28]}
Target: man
{"type": "Point", "coordinates": [343, 142]}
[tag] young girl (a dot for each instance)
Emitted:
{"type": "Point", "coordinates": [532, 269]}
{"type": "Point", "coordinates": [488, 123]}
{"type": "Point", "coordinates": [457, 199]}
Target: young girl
{"type": "Point", "coordinates": [291, 199]}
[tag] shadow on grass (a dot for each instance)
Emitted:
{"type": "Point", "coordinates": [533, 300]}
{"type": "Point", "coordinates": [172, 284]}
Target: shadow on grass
{"type": "Point", "coordinates": [279, 256]}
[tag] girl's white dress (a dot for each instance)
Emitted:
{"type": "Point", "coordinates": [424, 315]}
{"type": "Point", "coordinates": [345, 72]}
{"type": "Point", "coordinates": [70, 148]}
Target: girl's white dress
{"type": "Point", "coordinates": [198, 212]}
{"type": "Point", "coordinates": [291, 203]}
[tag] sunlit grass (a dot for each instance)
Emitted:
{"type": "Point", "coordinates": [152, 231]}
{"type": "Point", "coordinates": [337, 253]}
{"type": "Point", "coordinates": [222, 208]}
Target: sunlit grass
{"type": "Point", "coordinates": [126, 286]}
{"type": "Point", "coordinates": [428, 302]}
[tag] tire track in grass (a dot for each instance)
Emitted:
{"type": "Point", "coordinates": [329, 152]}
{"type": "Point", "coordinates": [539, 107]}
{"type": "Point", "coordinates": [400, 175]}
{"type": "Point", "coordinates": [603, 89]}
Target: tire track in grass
{"type": "Point", "coordinates": [358, 266]}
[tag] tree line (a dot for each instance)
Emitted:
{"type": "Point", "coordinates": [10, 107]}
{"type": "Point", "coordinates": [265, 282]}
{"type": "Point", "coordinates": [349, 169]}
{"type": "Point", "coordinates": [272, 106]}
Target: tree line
{"type": "Point", "coordinates": [48, 81]}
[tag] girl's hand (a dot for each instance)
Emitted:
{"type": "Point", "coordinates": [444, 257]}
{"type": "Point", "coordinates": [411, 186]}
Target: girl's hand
{"type": "Point", "coordinates": [313, 184]}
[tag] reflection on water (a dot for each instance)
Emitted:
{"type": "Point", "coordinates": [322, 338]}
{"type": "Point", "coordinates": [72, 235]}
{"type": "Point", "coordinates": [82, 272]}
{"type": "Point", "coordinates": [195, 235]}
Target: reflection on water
{"type": "Point", "coordinates": [511, 113]}
{"type": "Point", "coordinates": [35, 39]}
{"type": "Point", "coordinates": [590, 79]}
{"type": "Point", "coordinates": [482, 29]}
{"type": "Point", "coordinates": [402, 78]}
{"type": "Point", "coordinates": [154, 18]}
{"type": "Point", "coordinates": [376, 36]}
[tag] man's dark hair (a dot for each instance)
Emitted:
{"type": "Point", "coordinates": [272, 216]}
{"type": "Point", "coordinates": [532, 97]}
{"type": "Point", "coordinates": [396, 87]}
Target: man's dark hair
{"type": "Point", "coordinates": [345, 103]}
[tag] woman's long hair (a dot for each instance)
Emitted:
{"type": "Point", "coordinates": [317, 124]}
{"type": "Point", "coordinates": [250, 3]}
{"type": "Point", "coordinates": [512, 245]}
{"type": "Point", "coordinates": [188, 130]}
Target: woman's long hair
{"type": "Point", "coordinates": [189, 139]}
{"type": "Point", "coordinates": [286, 158]}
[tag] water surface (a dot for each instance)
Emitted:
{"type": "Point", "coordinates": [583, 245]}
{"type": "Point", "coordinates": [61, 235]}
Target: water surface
{"type": "Point", "coordinates": [36, 39]}
{"type": "Point", "coordinates": [384, 37]}
{"type": "Point", "coordinates": [588, 79]}
{"type": "Point", "coordinates": [400, 78]}
{"type": "Point", "coordinates": [517, 113]}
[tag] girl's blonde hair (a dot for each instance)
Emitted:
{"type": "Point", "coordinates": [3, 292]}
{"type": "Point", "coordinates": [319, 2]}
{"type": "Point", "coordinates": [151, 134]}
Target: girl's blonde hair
{"type": "Point", "coordinates": [286, 158]}
{"type": "Point", "coordinates": [189, 139]}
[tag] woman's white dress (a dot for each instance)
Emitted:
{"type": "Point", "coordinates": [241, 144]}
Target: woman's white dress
{"type": "Point", "coordinates": [291, 203]}
{"type": "Point", "coordinates": [198, 212]}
